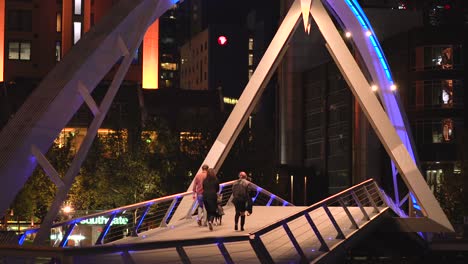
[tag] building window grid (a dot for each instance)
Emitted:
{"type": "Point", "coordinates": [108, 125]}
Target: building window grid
{"type": "Point", "coordinates": [433, 131]}
{"type": "Point", "coordinates": [438, 57]}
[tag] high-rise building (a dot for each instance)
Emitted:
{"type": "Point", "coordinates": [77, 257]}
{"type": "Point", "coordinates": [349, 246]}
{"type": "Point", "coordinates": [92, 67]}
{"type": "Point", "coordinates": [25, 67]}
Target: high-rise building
{"type": "Point", "coordinates": [36, 35]}
{"type": "Point", "coordinates": [325, 135]}
{"type": "Point", "coordinates": [216, 58]}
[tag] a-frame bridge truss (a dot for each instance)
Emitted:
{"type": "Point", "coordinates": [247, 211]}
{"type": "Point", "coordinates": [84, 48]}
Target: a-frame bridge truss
{"type": "Point", "coordinates": [53, 103]}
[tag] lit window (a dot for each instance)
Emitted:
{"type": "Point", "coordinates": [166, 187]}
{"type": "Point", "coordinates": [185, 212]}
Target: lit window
{"type": "Point", "coordinates": [76, 32]}
{"type": "Point", "coordinates": [447, 61]}
{"type": "Point", "coordinates": [447, 129]}
{"type": "Point", "coordinates": [77, 7]}
{"type": "Point", "coordinates": [58, 50]}
{"type": "Point", "coordinates": [447, 92]}
{"type": "Point", "coordinates": [19, 50]}
{"type": "Point", "coordinates": [250, 73]}
{"type": "Point", "coordinates": [444, 57]}
{"type": "Point", "coordinates": [250, 59]}
{"type": "Point", "coordinates": [251, 43]}
{"type": "Point", "coordinates": [58, 22]}
{"type": "Point", "coordinates": [188, 142]}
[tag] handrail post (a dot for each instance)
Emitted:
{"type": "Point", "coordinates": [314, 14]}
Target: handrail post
{"type": "Point", "coordinates": [168, 212]}
{"type": "Point", "coordinates": [127, 258]}
{"type": "Point", "coordinates": [340, 234]}
{"type": "Point", "coordinates": [323, 245]}
{"type": "Point", "coordinates": [381, 195]}
{"type": "Point", "coordinates": [225, 253]}
{"type": "Point", "coordinates": [272, 197]}
{"type": "Point", "coordinates": [356, 199]}
{"type": "Point", "coordinates": [354, 225]}
{"type": "Point", "coordinates": [295, 243]}
{"type": "Point", "coordinates": [67, 234]}
{"type": "Point", "coordinates": [135, 228]}
{"type": "Point", "coordinates": [255, 198]}
{"type": "Point", "coordinates": [192, 208]}
{"type": "Point", "coordinates": [260, 250]}
{"type": "Point", "coordinates": [183, 255]}
{"type": "Point", "coordinates": [376, 210]}
{"type": "Point", "coordinates": [103, 234]}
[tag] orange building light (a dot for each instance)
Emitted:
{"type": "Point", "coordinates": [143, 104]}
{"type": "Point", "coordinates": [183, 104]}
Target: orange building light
{"type": "Point", "coordinates": [2, 39]}
{"type": "Point", "coordinates": [151, 57]}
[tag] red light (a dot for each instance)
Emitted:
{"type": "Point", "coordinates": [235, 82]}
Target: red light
{"type": "Point", "coordinates": [222, 40]}
{"type": "Point", "coordinates": [447, 7]}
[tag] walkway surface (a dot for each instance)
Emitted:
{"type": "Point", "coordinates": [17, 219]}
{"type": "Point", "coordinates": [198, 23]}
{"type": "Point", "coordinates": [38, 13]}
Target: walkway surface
{"type": "Point", "coordinates": [277, 241]}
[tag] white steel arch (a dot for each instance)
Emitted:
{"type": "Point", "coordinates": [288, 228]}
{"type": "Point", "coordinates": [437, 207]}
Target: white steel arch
{"type": "Point", "coordinates": [48, 109]}
{"type": "Point", "coordinates": [390, 126]}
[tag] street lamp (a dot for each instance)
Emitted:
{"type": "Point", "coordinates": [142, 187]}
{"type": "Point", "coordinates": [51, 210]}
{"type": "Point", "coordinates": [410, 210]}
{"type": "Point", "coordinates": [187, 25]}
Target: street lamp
{"type": "Point", "coordinates": [67, 210]}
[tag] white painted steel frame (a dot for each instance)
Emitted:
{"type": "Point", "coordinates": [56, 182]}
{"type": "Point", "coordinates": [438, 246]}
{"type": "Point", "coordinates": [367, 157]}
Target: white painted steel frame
{"type": "Point", "coordinates": [248, 99]}
{"type": "Point", "coordinates": [66, 87]}
{"type": "Point", "coordinates": [53, 103]}
{"type": "Point", "coordinates": [435, 219]}
{"type": "Point", "coordinates": [153, 9]}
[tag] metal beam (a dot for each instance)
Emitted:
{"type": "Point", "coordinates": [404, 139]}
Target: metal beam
{"type": "Point", "coordinates": [378, 118]}
{"type": "Point", "coordinates": [248, 99]}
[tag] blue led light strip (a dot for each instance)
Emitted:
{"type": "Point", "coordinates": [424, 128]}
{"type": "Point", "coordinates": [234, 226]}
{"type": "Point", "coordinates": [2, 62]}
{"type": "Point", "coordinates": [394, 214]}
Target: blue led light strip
{"type": "Point", "coordinates": [361, 17]}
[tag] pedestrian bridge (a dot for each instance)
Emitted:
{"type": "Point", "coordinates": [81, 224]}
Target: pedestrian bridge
{"type": "Point", "coordinates": [276, 232]}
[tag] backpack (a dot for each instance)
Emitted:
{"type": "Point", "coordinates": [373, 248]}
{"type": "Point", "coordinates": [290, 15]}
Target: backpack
{"type": "Point", "coordinates": [239, 191]}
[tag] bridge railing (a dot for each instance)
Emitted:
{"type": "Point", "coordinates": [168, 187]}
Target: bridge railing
{"type": "Point", "coordinates": [365, 198]}
{"type": "Point", "coordinates": [131, 220]}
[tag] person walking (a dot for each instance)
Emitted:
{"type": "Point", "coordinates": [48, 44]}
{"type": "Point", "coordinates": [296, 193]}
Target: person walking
{"type": "Point", "coordinates": [210, 195]}
{"type": "Point", "coordinates": [241, 199]}
{"type": "Point", "coordinates": [198, 194]}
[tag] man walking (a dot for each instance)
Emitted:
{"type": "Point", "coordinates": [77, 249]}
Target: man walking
{"type": "Point", "coordinates": [241, 200]}
{"type": "Point", "coordinates": [198, 194]}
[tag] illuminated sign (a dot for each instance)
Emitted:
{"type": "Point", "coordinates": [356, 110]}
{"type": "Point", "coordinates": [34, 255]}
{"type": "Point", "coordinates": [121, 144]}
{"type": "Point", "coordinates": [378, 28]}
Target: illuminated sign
{"type": "Point", "coordinates": [229, 100]}
{"type": "Point", "coordinates": [102, 220]}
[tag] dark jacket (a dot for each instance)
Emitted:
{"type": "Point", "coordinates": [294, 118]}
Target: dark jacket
{"type": "Point", "coordinates": [210, 188]}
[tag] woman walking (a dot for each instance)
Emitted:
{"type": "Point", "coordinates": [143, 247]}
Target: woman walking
{"type": "Point", "coordinates": [210, 195]}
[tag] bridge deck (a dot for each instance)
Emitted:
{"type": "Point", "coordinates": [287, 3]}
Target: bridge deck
{"type": "Point", "coordinates": [276, 241]}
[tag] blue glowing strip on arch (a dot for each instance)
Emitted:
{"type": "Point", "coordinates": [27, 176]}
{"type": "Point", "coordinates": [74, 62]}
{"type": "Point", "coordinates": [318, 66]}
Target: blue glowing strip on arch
{"type": "Point", "coordinates": [361, 17]}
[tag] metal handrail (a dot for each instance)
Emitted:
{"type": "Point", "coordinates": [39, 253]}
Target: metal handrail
{"type": "Point", "coordinates": [112, 213]}
{"type": "Point", "coordinates": [337, 198]}
{"type": "Point", "coordinates": [368, 193]}
{"type": "Point", "coordinates": [309, 209]}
